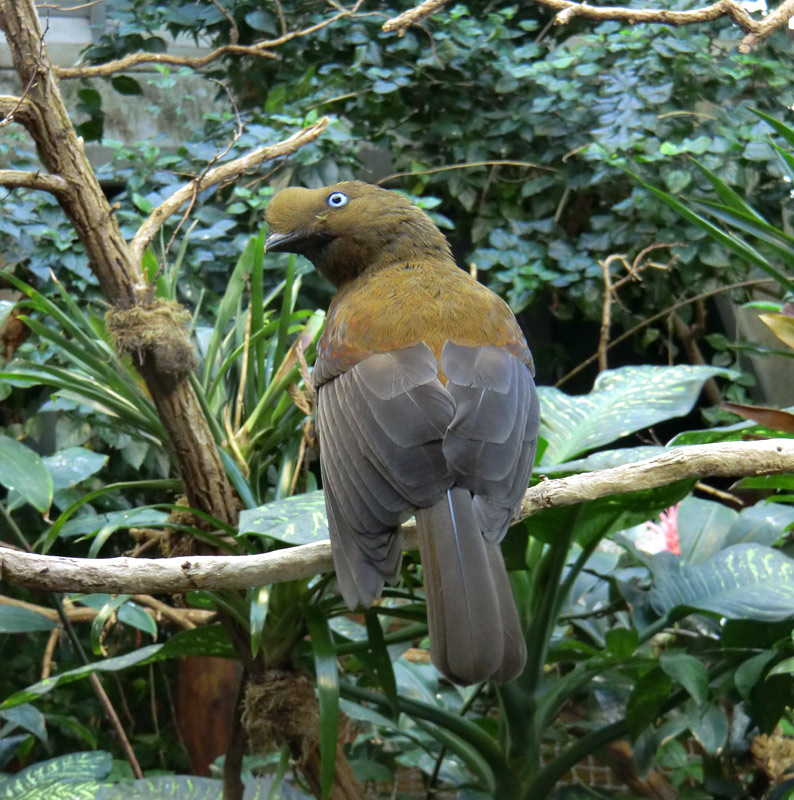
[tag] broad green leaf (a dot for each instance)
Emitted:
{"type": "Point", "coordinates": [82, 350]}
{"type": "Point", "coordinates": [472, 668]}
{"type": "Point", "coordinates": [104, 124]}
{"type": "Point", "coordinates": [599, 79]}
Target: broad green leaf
{"type": "Point", "coordinates": [744, 581]}
{"type": "Point", "coordinates": [749, 673]}
{"type": "Point", "coordinates": [64, 778]}
{"type": "Point", "coordinates": [703, 527]}
{"type": "Point", "coordinates": [73, 465]}
{"type": "Point", "coordinates": [192, 787]}
{"type": "Point", "coordinates": [687, 671]}
{"type": "Point", "coordinates": [211, 640]}
{"type": "Point", "coordinates": [29, 718]}
{"type": "Point", "coordinates": [604, 459]}
{"type": "Point", "coordinates": [23, 620]}
{"type": "Point", "coordinates": [645, 702]}
{"type": "Point", "coordinates": [294, 520]}
{"type": "Point", "coordinates": [127, 612]}
{"type": "Point", "coordinates": [622, 642]}
{"type": "Point", "coordinates": [763, 523]}
{"type": "Point", "coordinates": [709, 726]}
{"type": "Point", "coordinates": [622, 401]}
{"type": "Point", "coordinates": [21, 469]}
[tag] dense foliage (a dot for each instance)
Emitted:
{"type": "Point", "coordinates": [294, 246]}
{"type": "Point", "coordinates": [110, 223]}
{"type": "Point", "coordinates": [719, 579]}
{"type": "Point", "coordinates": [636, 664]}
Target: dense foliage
{"type": "Point", "coordinates": [513, 134]}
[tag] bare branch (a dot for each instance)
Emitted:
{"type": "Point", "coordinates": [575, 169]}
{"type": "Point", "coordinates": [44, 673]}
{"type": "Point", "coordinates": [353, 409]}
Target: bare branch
{"type": "Point", "coordinates": [219, 176]}
{"type": "Point", "coordinates": [184, 617]}
{"type": "Point", "coordinates": [14, 109]}
{"type": "Point", "coordinates": [259, 50]}
{"type": "Point", "coordinates": [413, 16]}
{"type": "Point", "coordinates": [756, 30]}
{"type": "Point", "coordinates": [170, 575]}
{"type": "Point", "coordinates": [16, 179]}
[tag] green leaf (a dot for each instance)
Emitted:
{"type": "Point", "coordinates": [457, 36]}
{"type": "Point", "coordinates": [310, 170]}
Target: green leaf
{"type": "Point", "coordinates": [123, 84]}
{"type": "Point", "coordinates": [23, 620]}
{"type": "Point", "coordinates": [687, 671]}
{"type": "Point", "coordinates": [763, 523]}
{"type": "Point", "coordinates": [645, 702]}
{"type": "Point", "coordinates": [382, 661]}
{"type": "Point", "coordinates": [192, 787]}
{"type": "Point", "coordinates": [622, 642]}
{"type": "Point", "coordinates": [73, 465]}
{"type": "Point", "coordinates": [622, 401]}
{"type": "Point", "coordinates": [780, 127]}
{"type": "Point", "coordinates": [750, 672]}
{"type": "Point", "coordinates": [294, 520]}
{"type": "Point", "coordinates": [29, 718]}
{"type": "Point", "coordinates": [747, 581]}
{"type": "Point", "coordinates": [703, 527]}
{"type": "Point", "coordinates": [59, 778]}
{"type": "Point", "coordinates": [327, 674]}
{"type": "Point", "coordinates": [211, 640]}
{"type": "Point", "coordinates": [21, 469]}
{"type": "Point", "coordinates": [709, 726]}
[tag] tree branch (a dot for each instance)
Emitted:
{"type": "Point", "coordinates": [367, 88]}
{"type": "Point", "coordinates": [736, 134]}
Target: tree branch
{"type": "Point", "coordinates": [14, 109]}
{"type": "Point", "coordinates": [259, 50]}
{"type": "Point", "coordinates": [756, 30]}
{"type": "Point", "coordinates": [219, 176]}
{"type": "Point", "coordinates": [16, 178]}
{"type": "Point", "coordinates": [167, 575]}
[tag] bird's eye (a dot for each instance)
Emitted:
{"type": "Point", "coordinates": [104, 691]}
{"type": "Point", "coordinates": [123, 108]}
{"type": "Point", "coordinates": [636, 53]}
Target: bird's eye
{"type": "Point", "coordinates": [337, 199]}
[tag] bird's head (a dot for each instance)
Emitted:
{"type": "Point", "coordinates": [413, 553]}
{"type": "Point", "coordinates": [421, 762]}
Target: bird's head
{"type": "Point", "coordinates": [351, 227]}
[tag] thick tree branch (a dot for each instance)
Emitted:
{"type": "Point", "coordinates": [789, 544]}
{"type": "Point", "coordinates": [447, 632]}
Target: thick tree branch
{"type": "Point", "coordinates": [165, 575]}
{"type": "Point", "coordinates": [258, 50]}
{"type": "Point", "coordinates": [219, 176]}
{"type": "Point", "coordinates": [756, 30]}
{"type": "Point", "coordinates": [14, 109]}
{"type": "Point", "coordinates": [16, 178]}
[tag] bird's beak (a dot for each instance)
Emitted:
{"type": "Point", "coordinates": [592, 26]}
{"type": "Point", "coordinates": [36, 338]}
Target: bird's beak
{"type": "Point", "coordinates": [282, 242]}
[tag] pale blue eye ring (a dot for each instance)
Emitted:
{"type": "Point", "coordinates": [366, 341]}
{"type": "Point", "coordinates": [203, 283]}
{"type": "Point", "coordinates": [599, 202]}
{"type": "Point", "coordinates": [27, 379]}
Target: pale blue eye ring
{"type": "Point", "coordinates": [337, 199]}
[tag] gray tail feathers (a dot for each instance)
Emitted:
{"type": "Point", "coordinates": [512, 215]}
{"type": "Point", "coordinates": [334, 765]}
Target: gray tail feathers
{"type": "Point", "coordinates": [474, 629]}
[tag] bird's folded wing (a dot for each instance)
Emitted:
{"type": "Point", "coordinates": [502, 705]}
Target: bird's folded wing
{"type": "Point", "coordinates": [490, 445]}
{"type": "Point", "coordinates": [381, 424]}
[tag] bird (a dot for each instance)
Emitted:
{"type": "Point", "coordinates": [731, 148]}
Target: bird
{"type": "Point", "coordinates": [426, 406]}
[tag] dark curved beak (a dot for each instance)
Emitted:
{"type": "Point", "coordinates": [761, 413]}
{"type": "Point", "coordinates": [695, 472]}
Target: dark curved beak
{"type": "Point", "coordinates": [283, 242]}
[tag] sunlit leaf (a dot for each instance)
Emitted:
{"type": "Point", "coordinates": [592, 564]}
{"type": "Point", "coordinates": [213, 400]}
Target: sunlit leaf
{"type": "Point", "coordinates": [622, 401]}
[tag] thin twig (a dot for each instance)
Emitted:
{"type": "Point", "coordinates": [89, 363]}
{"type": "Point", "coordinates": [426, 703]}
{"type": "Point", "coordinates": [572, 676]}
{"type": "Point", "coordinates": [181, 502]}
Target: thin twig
{"type": "Point", "coordinates": [258, 49]}
{"type": "Point", "coordinates": [640, 325]}
{"type": "Point", "coordinates": [49, 650]}
{"type": "Point", "coordinates": [466, 165]}
{"type": "Point", "coordinates": [219, 176]}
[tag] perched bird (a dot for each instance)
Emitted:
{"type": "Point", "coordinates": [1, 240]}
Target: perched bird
{"type": "Point", "coordinates": [426, 406]}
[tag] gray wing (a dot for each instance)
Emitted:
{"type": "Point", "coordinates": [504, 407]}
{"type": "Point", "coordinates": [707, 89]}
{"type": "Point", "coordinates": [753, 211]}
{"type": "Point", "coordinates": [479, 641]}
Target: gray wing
{"type": "Point", "coordinates": [381, 424]}
{"type": "Point", "coordinates": [490, 445]}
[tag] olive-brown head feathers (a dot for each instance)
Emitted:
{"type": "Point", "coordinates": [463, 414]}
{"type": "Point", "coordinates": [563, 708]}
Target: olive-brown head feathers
{"type": "Point", "coordinates": [352, 227]}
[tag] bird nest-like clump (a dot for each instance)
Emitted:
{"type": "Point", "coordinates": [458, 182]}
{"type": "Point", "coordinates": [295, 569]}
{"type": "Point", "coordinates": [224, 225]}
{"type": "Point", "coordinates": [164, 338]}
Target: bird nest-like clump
{"type": "Point", "coordinates": [156, 331]}
{"type": "Point", "coordinates": [280, 709]}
